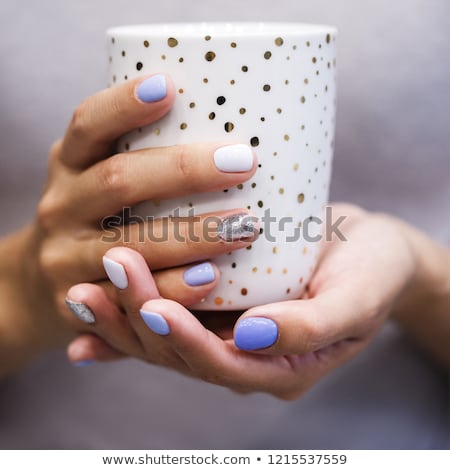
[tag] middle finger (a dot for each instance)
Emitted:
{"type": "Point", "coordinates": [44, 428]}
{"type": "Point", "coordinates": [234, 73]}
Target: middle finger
{"type": "Point", "coordinates": [160, 173]}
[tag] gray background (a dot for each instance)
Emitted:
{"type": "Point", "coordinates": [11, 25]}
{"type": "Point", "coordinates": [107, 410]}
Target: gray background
{"type": "Point", "coordinates": [393, 146]}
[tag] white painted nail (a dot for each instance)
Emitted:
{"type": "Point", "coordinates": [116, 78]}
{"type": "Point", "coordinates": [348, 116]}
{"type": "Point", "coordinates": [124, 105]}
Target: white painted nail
{"type": "Point", "coordinates": [116, 273]}
{"type": "Point", "coordinates": [234, 158]}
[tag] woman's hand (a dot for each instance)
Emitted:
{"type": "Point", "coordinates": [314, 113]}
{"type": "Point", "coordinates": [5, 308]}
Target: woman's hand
{"type": "Point", "coordinates": [88, 182]}
{"type": "Point", "coordinates": [282, 348]}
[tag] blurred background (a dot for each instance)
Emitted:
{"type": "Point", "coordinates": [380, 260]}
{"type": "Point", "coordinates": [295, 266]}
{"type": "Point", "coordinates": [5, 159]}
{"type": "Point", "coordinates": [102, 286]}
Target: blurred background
{"type": "Point", "coordinates": [392, 155]}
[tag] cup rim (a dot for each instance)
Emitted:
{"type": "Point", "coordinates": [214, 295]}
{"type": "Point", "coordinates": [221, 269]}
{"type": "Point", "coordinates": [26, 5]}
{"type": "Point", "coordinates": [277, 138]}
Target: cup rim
{"type": "Point", "coordinates": [221, 29]}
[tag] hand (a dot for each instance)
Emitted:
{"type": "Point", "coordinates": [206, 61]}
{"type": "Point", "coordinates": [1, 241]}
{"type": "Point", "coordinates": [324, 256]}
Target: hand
{"type": "Point", "coordinates": [282, 348]}
{"type": "Point", "coordinates": [88, 182]}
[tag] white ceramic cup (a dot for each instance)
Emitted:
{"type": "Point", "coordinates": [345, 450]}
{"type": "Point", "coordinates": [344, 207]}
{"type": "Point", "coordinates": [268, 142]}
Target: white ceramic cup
{"type": "Point", "coordinates": [271, 86]}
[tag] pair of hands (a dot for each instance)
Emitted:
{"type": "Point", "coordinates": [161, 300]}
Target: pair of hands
{"type": "Point", "coordinates": [357, 284]}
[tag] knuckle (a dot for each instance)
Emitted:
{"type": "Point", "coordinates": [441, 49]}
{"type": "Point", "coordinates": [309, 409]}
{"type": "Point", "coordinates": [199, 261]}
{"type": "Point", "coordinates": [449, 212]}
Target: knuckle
{"type": "Point", "coordinates": [185, 167]}
{"type": "Point", "coordinates": [47, 210]}
{"type": "Point", "coordinates": [79, 122]}
{"type": "Point", "coordinates": [310, 336]}
{"type": "Point", "coordinates": [113, 175]}
{"type": "Point", "coordinates": [50, 259]}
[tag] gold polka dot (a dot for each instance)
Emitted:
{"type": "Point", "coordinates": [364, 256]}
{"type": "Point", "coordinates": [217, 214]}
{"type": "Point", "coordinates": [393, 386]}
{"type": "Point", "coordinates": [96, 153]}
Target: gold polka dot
{"type": "Point", "coordinates": [314, 60]}
{"type": "Point", "coordinates": [212, 116]}
{"type": "Point", "coordinates": [306, 81]}
{"type": "Point", "coordinates": [233, 45]}
{"type": "Point", "coordinates": [232, 82]}
{"type": "Point", "coordinates": [233, 265]}
{"type": "Point", "coordinates": [285, 271]}
{"type": "Point", "coordinates": [192, 105]}
{"type": "Point", "coordinates": [260, 204]}
{"type": "Point", "coordinates": [301, 198]}
{"type": "Point", "coordinates": [302, 100]}
{"type": "Point", "coordinates": [267, 55]}
{"type": "Point", "coordinates": [240, 186]}
{"type": "Point", "coordinates": [242, 111]}
{"type": "Point", "coordinates": [157, 131]}
{"type": "Point", "coordinates": [286, 137]}
{"type": "Point", "coordinates": [279, 41]}
{"type": "Point", "coordinates": [275, 250]}
{"type": "Point", "coordinates": [296, 167]}
{"type": "Point", "coordinates": [230, 282]}
{"type": "Point", "coordinates": [286, 82]}
{"type": "Point", "coordinates": [308, 44]}
{"type": "Point", "coordinates": [328, 39]}
{"type": "Point", "coordinates": [266, 87]}
{"type": "Point", "coordinates": [255, 269]}
{"type": "Point", "coordinates": [305, 250]}
{"type": "Point", "coordinates": [205, 80]}
{"type": "Point", "coordinates": [210, 56]}
{"type": "Point", "coordinates": [208, 38]}
{"type": "Point", "coordinates": [181, 91]}
{"type": "Point", "coordinates": [123, 53]}
{"type": "Point", "coordinates": [114, 78]}
{"type": "Point", "coordinates": [244, 68]}
{"type": "Point", "coordinates": [146, 44]}
{"type": "Point", "coordinates": [244, 291]}
{"type": "Point", "coordinates": [113, 40]}
{"type": "Point", "coordinates": [183, 126]}
{"type": "Point", "coordinates": [229, 126]}
{"type": "Point", "coordinates": [249, 247]}
{"type": "Point", "coordinates": [269, 270]}
{"type": "Point", "coordinates": [279, 110]}
{"type": "Point", "coordinates": [272, 177]}
{"type": "Point", "coordinates": [163, 57]}
{"type": "Point", "coordinates": [281, 190]}
{"type": "Point", "coordinates": [253, 185]}
{"type": "Point", "coordinates": [172, 42]}
{"type": "Point", "coordinates": [288, 290]}
{"type": "Point", "coordinates": [218, 301]}
{"type": "Point", "coordinates": [181, 60]}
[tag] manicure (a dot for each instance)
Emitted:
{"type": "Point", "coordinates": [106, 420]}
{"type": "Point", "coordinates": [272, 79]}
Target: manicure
{"type": "Point", "coordinates": [255, 333]}
{"type": "Point", "coordinates": [234, 158]}
{"type": "Point", "coordinates": [199, 275]}
{"type": "Point", "coordinates": [152, 89]}
{"type": "Point", "coordinates": [81, 311]}
{"type": "Point", "coordinates": [156, 322]}
{"type": "Point", "coordinates": [237, 227]}
{"type": "Point", "coordinates": [116, 273]}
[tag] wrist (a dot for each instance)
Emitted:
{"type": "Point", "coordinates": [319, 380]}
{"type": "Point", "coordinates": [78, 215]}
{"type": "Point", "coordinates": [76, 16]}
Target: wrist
{"type": "Point", "coordinates": [27, 321]}
{"type": "Point", "coordinates": [424, 309]}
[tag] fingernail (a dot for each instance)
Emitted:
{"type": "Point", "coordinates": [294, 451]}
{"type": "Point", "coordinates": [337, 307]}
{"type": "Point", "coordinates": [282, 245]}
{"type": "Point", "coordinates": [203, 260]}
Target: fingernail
{"type": "Point", "coordinates": [152, 89]}
{"type": "Point", "coordinates": [234, 158]}
{"type": "Point", "coordinates": [81, 311]}
{"type": "Point", "coordinates": [255, 333]}
{"type": "Point", "coordinates": [84, 363]}
{"type": "Point", "coordinates": [156, 322]}
{"type": "Point", "coordinates": [116, 273]}
{"type": "Point", "coordinates": [199, 275]}
{"type": "Point", "coordinates": [237, 227]}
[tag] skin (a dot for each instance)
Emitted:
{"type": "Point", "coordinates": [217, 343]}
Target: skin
{"type": "Point", "coordinates": [86, 182]}
{"type": "Point", "coordinates": [385, 269]}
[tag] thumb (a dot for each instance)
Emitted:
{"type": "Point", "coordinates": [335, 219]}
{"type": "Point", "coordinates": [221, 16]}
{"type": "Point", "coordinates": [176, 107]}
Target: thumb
{"type": "Point", "coordinates": [301, 326]}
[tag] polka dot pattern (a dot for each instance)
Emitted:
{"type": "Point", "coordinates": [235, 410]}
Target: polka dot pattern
{"type": "Point", "coordinates": [276, 93]}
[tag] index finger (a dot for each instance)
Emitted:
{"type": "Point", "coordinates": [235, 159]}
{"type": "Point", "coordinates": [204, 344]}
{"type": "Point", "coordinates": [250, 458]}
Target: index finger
{"type": "Point", "coordinates": [104, 117]}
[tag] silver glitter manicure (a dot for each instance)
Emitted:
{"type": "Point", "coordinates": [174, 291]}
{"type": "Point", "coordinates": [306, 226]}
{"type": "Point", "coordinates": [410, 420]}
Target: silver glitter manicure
{"type": "Point", "coordinates": [81, 311]}
{"type": "Point", "coordinates": [237, 227]}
